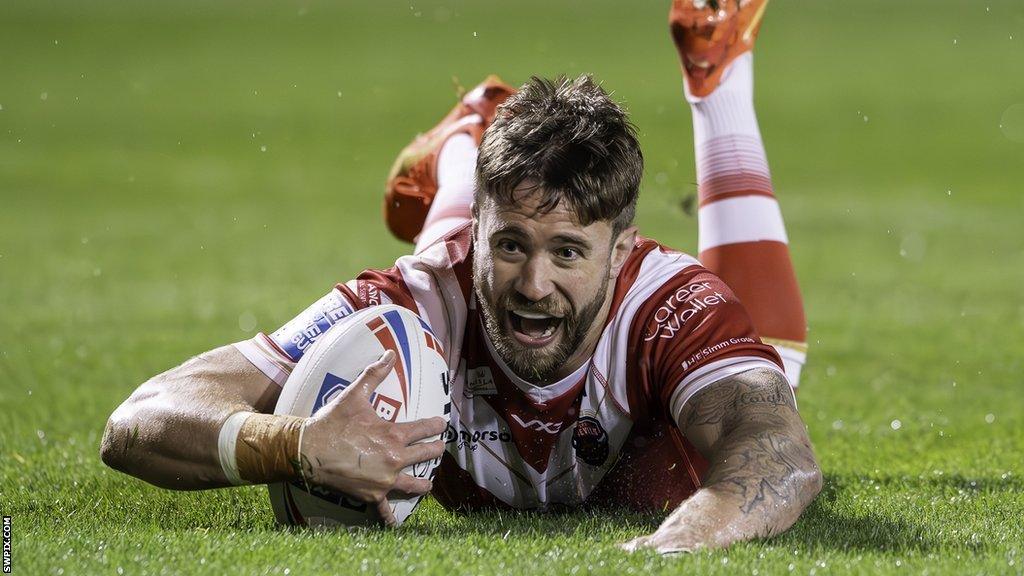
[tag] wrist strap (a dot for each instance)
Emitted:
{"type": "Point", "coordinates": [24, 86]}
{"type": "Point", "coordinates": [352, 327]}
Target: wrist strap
{"type": "Point", "coordinates": [268, 448]}
{"type": "Point", "coordinates": [226, 446]}
{"type": "Point", "coordinates": [260, 448]}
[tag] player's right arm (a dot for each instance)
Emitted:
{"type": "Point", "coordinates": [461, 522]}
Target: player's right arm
{"type": "Point", "coordinates": [167, 432]}
{"type": "Point", "coordinates": [172, 431]}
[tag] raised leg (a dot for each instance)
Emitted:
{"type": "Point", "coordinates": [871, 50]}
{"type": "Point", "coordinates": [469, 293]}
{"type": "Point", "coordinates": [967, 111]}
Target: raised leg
{"type": "Point", "coordinates": [742, 235]}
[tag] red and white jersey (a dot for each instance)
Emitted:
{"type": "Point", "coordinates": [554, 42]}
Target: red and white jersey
{"type": "Point", "coordinates": [604, 434]}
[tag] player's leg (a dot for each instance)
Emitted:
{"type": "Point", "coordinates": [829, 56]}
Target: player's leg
{"type": "Point", "coordinates": [430, 187]}
{"type": "Point", "coordinates": [456, 176]}
{"type": "Point", "coordinates": [742, 237]}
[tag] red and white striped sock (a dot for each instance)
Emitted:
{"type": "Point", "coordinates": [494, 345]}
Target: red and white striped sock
{"type": "Point", "coordinates": [742, 237]}
{"type": "Point", "coordinates": [456, 178]}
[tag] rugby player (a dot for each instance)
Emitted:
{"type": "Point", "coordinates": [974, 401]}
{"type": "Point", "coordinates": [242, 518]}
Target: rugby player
{"type": "Point", "coordinates": [590, 365]}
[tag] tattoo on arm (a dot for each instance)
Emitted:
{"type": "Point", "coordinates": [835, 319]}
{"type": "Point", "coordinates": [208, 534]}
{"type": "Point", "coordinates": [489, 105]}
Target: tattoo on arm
{"type": "Point", "coordinates": [749, 429]}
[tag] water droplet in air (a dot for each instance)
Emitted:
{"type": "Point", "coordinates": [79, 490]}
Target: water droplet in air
{"type": "Point", "coordinates": [896, 424]}
{"type": "Point", "coordinates": [247, 321]}
{"type": "Point", "coordinates": [990, 418]}
{"type": "Point", "coordinates": [1012, 122]}
{"type": "Point", "coordinates": [913, 247]}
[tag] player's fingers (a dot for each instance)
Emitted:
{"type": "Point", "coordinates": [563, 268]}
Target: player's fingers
{"type": "Point", "coordinates": [424, 452]}
{"type": "Point", "coordinates": [374, 374]}
{"type": "Point", "coordinates": [634, 544]}
{"type": "Point", "coordinates": [384, 510]}
{"type": "Point", "coordinates": [411, 486]}
{"type": "Point", "coordinates": [421, 429]}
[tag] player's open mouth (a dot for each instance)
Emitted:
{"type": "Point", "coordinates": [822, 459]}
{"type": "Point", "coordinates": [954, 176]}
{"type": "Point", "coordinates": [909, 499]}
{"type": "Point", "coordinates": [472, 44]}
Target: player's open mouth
{"type": "Point", "coordinates": [533, 329]}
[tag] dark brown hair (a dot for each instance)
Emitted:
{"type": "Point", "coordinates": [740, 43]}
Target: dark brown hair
{"type": "Point", "coordinates": [569, 137]}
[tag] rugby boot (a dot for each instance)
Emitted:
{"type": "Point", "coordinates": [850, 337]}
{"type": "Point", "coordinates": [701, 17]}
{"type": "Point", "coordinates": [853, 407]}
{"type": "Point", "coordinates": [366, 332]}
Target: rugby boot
{"type": "Point", "coordinates": [709, 35]}
{"type": "Point", "coordinates": [412, 182]}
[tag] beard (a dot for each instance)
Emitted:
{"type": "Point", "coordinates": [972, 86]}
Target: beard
{"type": "Point", "coordinates": [537, 365]}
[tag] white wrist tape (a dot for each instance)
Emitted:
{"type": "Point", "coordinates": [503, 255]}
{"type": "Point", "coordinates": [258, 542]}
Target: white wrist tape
{"type": "Point", "coordinates": [302, 469]}
{"type": "Point", "coordinates": [226, 443]}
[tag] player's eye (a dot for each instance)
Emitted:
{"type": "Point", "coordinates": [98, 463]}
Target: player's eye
{"type": "Point", "coordinates": [508, 246]}
{"type": "Point", "coordinates": [568, 253]}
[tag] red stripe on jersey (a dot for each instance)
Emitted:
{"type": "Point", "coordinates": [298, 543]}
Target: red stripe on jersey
{"type": "Point", "coordinates": [608, 390]}
{"type": "Point", "coordinates": [351, 296]}
{"type": "Point", "coordinates": [371, 284]}
{"type": "Point", "coordinates": [273, 345]}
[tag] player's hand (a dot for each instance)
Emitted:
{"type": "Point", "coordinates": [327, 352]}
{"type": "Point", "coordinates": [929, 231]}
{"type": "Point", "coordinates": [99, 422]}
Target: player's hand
{"type": "Point", "coordinates": [347, 448]}
{"type": "Point", "coordinates": [666, 542]}
{"type": "Point", "coordinates": [690, 528]}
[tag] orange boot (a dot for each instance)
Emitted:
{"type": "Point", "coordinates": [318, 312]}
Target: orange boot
{"type": "Point", "coordinates": [710, 34]}
{"type": "Point", "coordinates": [412, 182]}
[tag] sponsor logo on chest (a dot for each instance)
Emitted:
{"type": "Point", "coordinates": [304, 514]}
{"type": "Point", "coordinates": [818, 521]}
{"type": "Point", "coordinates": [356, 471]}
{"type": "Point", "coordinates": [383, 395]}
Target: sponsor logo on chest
{"type": "Point", "coordinates": [538, 425]}
{"type": "Point", "coordinates": [470, 439]}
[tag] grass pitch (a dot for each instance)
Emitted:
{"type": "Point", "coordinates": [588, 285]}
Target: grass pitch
{"type": "Point", "coordinates": [175, 177]}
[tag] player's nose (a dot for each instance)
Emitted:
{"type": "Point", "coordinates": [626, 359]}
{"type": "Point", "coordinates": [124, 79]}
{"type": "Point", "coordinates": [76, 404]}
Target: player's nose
{"type": "Point", "coordinates": [534, 281]}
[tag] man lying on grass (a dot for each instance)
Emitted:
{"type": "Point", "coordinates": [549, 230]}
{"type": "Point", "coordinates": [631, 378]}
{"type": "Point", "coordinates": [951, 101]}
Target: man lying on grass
{"type": "Point", "coordinates": [590, 365]}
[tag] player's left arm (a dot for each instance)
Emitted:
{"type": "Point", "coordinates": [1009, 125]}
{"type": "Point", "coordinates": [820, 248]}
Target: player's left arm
{"type": "Point", "coordinates": [762, 473]}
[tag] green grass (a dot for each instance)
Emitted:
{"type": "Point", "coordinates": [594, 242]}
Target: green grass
{"type": "Point", "coordinates": [141, 223]}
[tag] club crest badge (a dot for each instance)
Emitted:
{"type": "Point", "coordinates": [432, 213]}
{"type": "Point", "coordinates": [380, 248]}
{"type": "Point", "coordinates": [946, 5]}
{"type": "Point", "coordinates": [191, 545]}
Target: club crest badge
{"type": "Point", "coordinates": [590, 441]}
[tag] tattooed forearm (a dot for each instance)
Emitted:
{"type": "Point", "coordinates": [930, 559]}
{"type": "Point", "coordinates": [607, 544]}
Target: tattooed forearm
{"type": "Point", "coordinates": [761, 461]}
{"type": "Point", "coordinates": [767, 471]}
{"type": "Point", "coordinates": [762, 470]}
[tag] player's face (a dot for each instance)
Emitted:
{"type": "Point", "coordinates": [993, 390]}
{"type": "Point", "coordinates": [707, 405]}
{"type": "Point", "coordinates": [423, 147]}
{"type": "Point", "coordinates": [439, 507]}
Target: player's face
{"type": "Point", "coordinates": [543, 281]}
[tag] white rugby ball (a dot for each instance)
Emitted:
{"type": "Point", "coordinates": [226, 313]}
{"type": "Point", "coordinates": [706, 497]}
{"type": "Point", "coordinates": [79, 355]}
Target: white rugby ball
{"type": "Point", "coordinates": [417, 388]}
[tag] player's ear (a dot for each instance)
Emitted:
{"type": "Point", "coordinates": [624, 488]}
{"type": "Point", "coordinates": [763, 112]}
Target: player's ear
{"type": "Point", "coordinates": [621, 249]}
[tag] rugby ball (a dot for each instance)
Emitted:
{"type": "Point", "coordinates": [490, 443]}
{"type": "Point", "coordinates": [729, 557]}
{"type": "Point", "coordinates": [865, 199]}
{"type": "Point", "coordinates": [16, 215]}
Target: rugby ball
{"type": "Point", "coordinates": [417, 388]}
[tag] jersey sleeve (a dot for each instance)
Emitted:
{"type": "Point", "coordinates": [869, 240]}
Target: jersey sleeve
{"type": "Point", "coordinates": [695, 332]}
{"type": "Point", "coordinates": [277, 353]}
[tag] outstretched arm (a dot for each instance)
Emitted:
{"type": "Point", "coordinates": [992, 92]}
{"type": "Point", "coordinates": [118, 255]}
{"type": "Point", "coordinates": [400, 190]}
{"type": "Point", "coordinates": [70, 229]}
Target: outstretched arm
{"type": "Point", "coordinates": [167, 433]}
{"type": "Point", "coordinates": [762, 472]}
